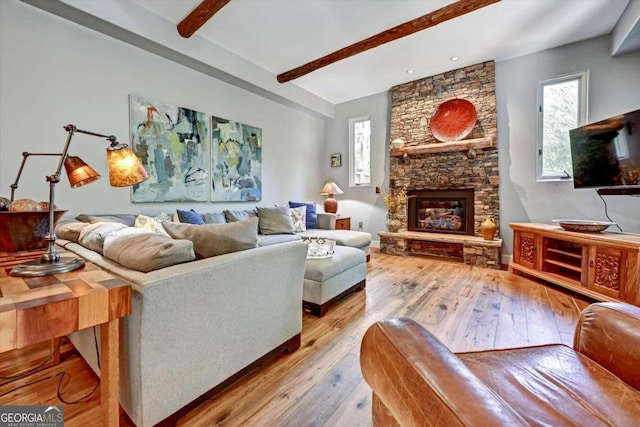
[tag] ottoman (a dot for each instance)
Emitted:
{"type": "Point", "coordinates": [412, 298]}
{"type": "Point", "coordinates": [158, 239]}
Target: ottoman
{"type": "Point", "coordinates": [326, 281]}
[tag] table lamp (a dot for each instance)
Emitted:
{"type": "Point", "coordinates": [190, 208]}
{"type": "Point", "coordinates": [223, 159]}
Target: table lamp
{"type": "Point", "coordinates": [125, 169]}
{"type": "Point", "coordinates": [331, 204]}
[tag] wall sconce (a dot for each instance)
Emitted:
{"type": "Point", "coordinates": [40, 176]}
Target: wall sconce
{"type": "Point", "coordinates": [125, 169]}
{"type": "Point", "coordinates": [331, 204]}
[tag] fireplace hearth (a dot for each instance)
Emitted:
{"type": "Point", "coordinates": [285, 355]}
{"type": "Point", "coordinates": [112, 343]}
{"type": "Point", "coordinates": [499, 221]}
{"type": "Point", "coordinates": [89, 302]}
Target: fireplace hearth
{"type": "Point", "coordinates": [441, 211]}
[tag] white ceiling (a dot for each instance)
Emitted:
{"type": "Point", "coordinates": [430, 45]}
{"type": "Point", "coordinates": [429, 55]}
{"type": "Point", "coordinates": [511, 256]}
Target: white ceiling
{"type": "Point", "coordinates": [278, 35]}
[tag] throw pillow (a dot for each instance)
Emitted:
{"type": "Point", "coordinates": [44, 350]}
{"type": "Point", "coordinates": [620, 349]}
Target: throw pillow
{"type": "Point", "coordinates": [70, 230]}
{"type": "Point", "coordinates": [189, 217]}
{"type": "Point", "coordinates": [298, 217]}
{"type": "Point", "coordinates": [213, 218]}
{"type": "Point", "coordinates": [146, 251]}
{"type": "Point", "coordinates": [275, 220]}
{"type": "Point", "coordinates": [233, 216]}
{"type": "Point", "coordinates": [150, 224]}
{"type": "Point", "coordinates": [312, 215]}
{"type": "Point", "coordinates": [162, 216]}
{"type": "Point", "coordinates": [217, 239]}
{"type": "Point", "coordinates": [126, 219]}
{"type": "Point", "coordinates": [92, 236]}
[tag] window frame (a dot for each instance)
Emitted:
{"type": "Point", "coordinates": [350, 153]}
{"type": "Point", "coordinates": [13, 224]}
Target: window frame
{"type": "Point", "coordinates": [583, 103]}
{"type": "Point", "coordinates": [352, 157]}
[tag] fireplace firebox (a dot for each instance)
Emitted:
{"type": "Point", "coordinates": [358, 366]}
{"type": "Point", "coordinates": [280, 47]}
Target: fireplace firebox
{"type": "Point", "coordinates": [441, 211]}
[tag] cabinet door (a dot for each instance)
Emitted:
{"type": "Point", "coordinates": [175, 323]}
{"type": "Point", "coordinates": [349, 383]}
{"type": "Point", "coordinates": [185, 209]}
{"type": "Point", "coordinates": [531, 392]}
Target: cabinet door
{"type": "Point", "coordinates": [607, 271]}
{"type": "Point", "coordinates": [343, 223]}
{"type": "Point", "coordinates": [525, 249]}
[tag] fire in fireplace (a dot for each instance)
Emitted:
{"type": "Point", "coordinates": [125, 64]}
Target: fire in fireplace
{"type": "Point", "coordinates": [441, 211]}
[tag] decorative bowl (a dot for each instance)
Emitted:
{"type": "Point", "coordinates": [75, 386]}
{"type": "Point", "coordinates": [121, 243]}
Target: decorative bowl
{"type": "Point", "coordinates": [319, 248]}
{"type": "Point", "coordinates": [583, 226]}
{"type": "Point", "coordinates": [453, 120]}
{"type": "Point", "coordinates": [25, 230]}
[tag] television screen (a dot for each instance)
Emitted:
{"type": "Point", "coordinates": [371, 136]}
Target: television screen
{"type": "Point", "coordinates": [607, 153]}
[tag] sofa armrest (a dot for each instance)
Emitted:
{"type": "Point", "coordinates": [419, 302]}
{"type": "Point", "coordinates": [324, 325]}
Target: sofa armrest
{"type": "Point", "coordinates": [420, 382]}
{"type": "Point", "coordinates": [609, 334]}
{"type": "Point", "coordinates": [326, 221]}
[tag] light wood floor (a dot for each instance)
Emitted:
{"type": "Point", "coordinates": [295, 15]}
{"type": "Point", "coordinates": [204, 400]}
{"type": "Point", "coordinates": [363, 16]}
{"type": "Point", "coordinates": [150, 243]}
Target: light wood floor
{"type": "Point", "coordinates": [320, 384]}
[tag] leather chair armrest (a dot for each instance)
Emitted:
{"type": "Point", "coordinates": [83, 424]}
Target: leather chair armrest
{"type": "Point", "coordinates": [421, 383]}
{"type": "Point", "coordinates": [326, 221]}
{"type": "Point", "coordinates": [609, 334]}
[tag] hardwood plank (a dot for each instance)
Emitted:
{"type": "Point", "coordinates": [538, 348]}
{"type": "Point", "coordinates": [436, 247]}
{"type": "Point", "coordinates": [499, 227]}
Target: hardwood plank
{"type": "Point", "coordinates": [320, 384]}
{"type": "Point", "coordinates": [512, 320]}
{"type": "Point", "coordinates": [429, 20]}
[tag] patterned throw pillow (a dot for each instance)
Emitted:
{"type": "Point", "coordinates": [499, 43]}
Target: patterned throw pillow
{"type": "Point", "coordinates": [298, 217]}
{"type": "Point", "coordinates": [152, 224]}
{"type": "Point", "coordinates": [312, 215]}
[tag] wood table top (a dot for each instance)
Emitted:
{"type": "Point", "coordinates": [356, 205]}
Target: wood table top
{"type": "Point", "coordinates": [34, 309]}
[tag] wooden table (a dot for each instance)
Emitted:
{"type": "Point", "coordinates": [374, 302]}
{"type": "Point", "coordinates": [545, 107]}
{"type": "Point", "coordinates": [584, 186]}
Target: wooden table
{"type": "Point", "coordinates": [343, 223]}
{"type": "Point", "coordinates": [37, 309]}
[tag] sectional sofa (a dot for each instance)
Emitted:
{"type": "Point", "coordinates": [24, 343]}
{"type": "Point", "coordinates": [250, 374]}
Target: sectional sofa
{"type": "Point", "coordinates": [198, 325]}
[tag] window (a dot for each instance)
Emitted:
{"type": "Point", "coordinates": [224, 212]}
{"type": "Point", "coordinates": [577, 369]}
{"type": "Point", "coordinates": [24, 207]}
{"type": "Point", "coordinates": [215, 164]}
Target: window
{"type": "Point", "coordinates": [562, 106]}
{"type": "Point", "coordinates": [360, 151]}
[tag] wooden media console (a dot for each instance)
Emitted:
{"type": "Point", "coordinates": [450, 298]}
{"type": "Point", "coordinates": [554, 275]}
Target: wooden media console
{"type": "Point", "coordinates": [603, 266]}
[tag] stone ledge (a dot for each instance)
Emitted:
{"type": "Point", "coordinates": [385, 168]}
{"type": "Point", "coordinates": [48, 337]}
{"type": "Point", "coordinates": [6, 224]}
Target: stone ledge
{"type": "Point", "coordinates": [441, 147]}
{"type": "Point", "coordinates": [471, 250]}
{"type": "Point", "coordinates": [442, 237]}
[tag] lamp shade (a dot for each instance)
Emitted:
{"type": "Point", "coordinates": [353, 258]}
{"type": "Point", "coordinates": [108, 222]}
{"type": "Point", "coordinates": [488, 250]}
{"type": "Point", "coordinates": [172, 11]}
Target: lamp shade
{"type": "Point", "coordinates": [331, 188]}
{"type": "Point", "coordinates": [78, 172]}
{"type": "Point", "coordinates": [125, 168]}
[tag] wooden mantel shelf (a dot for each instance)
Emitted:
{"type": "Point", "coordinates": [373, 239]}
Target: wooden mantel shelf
{"type": "Point", "coordinates": [441, 147]}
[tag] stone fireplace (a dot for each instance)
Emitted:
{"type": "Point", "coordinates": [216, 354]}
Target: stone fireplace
{"type": "Point", "coordinates": [464, 174]}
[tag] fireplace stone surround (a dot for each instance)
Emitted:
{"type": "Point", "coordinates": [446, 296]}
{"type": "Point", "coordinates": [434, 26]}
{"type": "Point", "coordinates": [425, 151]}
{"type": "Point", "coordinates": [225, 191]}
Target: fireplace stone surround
{"type": "Point", "coordinates": [427, 164]}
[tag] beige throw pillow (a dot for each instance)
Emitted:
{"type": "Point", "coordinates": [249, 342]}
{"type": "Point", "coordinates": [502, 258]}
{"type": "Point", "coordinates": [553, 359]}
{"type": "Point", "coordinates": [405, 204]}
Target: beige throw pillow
{"type": "Point", "coordinates": [275, 220]}
{"type": "Point", "coordinates": [70, 230]}
{"type": "Point", "coordinates": [233, 216]}
{"type": "Point", "coordinates": [217, 239]}
{"type": "Point", "coordinates": [146, 251]}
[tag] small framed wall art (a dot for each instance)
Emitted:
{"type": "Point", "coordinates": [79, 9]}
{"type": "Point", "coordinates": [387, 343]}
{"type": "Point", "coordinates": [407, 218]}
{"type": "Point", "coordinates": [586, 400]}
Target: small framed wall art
{"type": "Point", "coordinates": [336, 160]}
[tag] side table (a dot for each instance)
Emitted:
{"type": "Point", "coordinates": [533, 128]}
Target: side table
{"type": "Point", "coordinates": [36, 309]}
{"type": "Point", "coordinates": [343, 223]}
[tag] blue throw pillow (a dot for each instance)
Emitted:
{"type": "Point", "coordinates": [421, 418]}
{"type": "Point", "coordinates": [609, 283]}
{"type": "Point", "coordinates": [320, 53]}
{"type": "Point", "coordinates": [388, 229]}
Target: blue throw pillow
{"type": "Point", "coordinates": [189, 217]}
{"type": "Point", "coordinates": [312, 215]}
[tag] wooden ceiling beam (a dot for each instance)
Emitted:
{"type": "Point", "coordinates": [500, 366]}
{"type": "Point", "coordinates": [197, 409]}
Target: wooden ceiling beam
{"type": "Point", "coordinates": [451, 11]}
{"type": "Point", "coordinates": [198, 16]}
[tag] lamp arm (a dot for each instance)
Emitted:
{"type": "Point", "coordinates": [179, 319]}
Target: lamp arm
{"type": "Point", "coordinates": [26, 155]}
{"type": "Point", "coordinates": [51, 255]}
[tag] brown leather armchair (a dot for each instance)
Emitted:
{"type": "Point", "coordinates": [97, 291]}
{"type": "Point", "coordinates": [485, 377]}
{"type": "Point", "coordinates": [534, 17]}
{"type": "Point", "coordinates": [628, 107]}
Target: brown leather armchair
{"type": "Point", "coordinates": [417, 381]}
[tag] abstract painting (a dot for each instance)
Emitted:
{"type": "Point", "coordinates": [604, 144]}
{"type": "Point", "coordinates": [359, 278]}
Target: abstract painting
{"type": "Point", "coordinates": [172, 143]}
{"type": "Point", "coordinates": [236, 166]}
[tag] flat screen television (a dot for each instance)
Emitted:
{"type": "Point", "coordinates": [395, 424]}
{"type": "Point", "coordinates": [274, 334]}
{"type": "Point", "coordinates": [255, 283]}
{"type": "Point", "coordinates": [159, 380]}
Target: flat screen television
{"type": "Point", "coordinates": [606, 154]}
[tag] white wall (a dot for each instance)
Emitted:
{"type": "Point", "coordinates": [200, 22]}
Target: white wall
{"type": "Point", "coordinates": [54, 72]}
{"type": "Point", "coordinates": [614, 88]}
{"type": "Point", "coordinates": [360, 203]}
